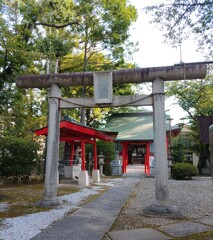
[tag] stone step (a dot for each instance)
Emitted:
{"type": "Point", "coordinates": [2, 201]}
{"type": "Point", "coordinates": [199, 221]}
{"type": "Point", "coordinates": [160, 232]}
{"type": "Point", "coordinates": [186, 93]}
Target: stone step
{"type": "Point", "coordinates": [69, 181]}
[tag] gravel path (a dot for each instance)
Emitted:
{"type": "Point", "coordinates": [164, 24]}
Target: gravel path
{"type": "Point", "coordinates": [27, 226]}
{"type": "Point", "coordinates": [194, 198]}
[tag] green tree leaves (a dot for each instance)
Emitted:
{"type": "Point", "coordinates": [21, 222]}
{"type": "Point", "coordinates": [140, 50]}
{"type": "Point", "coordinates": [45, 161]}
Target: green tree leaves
{"type": "Point", "coordinates": [195, 96]}
{"type": "Point", "coordinates": [17, 156]}
{"type": "Point", "coordinates": [179, 19]}
{"type": "Point", "coordinates": [177, 149]}
{"type": "Point", "coordinates": [35, 36]}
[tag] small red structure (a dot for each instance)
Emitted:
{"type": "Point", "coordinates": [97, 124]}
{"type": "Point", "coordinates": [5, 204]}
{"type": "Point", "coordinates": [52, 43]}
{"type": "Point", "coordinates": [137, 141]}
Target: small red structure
{"type": "Point", "coordinates": [78, 134]}
{"type": "Point", "coordinates": [125, 156]}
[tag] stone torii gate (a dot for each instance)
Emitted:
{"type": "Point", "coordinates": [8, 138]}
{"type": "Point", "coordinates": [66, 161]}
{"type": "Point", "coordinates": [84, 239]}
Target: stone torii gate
{"type": "Point", "coordinates": [103, 82]}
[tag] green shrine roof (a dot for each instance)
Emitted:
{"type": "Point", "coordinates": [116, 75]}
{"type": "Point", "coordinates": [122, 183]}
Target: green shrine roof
{"type": "Point", "coordinates": [131, 126]}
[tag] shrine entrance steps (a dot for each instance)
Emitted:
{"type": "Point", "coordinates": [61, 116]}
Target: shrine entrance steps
{"type": "Point", "coordinates": [136, 169]}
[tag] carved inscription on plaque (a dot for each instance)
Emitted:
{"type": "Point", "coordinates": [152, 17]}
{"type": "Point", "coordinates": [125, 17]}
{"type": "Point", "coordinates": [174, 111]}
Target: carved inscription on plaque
{"type": "Point", "coordinates": [103, 87]}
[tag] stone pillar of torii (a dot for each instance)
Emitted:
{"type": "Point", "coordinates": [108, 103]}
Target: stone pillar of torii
{"type": "Point", "coordinates": [103, 82]}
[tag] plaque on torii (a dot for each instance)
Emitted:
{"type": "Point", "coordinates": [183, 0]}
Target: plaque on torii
{"type": "Point", "coordinates": [103, 91]}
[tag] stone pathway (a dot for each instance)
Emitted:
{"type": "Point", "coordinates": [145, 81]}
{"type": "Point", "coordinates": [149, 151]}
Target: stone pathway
{"type": "Point", "coordinates": [94, 220]}
{"type": "Point", "coordinates": [138, 234]}
{"type": "Point", "coordinates": [181, 229]}
{"type": "Point", "coordinates": [186, 228]}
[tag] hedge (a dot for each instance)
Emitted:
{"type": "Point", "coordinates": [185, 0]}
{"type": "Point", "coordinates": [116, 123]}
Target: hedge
{"type": "Point", "coordinates": [17, 156]}
{"type": "Point", "coordinates": [182, 171]}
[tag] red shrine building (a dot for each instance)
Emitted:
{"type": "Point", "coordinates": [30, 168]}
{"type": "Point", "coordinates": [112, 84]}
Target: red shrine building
{"type": "Point", "coordinates": [75, 137]}
{"type": "Point", "coordinates": [132, 133]}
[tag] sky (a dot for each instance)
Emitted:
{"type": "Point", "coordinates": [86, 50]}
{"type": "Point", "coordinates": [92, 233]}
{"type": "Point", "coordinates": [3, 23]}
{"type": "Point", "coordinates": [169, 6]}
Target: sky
{"type": "Point", "coordinates": [154, 53]}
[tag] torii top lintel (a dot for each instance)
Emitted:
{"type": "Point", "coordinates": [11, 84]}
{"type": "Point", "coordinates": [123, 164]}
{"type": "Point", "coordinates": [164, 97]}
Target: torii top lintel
{"type": "Point", "coordinates": [137, 75]}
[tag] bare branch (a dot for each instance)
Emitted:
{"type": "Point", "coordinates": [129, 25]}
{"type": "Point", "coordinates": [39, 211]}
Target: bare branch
{"type": "Point", "coordinates": [180, 4]}
{"type": "Point", "coordinates": [181, 17]}
{"type": "Point", "coordinates": [193, 5]}
{"type": "Point", "coordinates": [56, 26]}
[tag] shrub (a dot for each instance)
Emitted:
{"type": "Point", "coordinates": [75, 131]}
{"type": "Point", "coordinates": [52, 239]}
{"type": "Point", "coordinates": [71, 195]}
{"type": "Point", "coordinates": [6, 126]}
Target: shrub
{"type": "Point", "coordinates": [17, 156]}
{"type": "Point", "coordinates": [181, 171]}
{"type": "Point", "coordinates": [177, 149]}
{"type": "Point", "coordinates": [107, 170]}
{"type": "Point", "coordinates": [107, 148]}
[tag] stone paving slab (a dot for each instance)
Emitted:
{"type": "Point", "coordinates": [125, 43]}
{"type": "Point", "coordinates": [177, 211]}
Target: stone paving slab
{"type": "Point", "coordinates": [183, 229]}
{"type": "Point", "coordinates": [93, 220]}
{"type": "Point", "coordinates": [207, 221]}
{"type": "Point", "coordinates": [138, 234]}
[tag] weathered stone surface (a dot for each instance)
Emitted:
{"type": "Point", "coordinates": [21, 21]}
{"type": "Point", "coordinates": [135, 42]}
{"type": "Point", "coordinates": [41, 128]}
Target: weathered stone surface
{"type": "Point", "coordinates": [184, 229]}
{"type": "Point", "coordinates": [167, 211]}
{"type": "Point", "coordinates": [137, 75]}
{"type": "Point", "coordinates": [207, 221]}
{"type": "Point", "coordinates": [138, 234]}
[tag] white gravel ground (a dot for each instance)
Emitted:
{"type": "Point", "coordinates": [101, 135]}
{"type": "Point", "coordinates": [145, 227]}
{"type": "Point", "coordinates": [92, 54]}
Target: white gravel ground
{"type": "Point", "coordinates": [193, 198]}
{"type": "Point", "coordinates": [26, 227]}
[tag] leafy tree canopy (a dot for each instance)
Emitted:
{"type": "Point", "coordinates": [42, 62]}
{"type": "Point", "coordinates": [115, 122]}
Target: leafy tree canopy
{"type": "Point", "coordinates": [17, 156]}
{"type": "Point", "coordinates": [195, 96]}
{"type": "Point", "coordinates": [180, 18]}
{"type": "Point", "coordinates": [36, 32]}
{"type": "Point", "coordinates": [104, 25]}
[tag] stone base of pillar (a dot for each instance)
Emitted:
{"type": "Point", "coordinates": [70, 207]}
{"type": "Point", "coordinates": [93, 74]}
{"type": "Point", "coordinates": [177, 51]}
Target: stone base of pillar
{"type": "Point", "coordinates": [83, 179]}
{"type": "Point", "coordinates": [168, 211]}
{"type": "Point", "coordinates": [49, 203]}
{"type": "Point", "coordinates": [96, 175]}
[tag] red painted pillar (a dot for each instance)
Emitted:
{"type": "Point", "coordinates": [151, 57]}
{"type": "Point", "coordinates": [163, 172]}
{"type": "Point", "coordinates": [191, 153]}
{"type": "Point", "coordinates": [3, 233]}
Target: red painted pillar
{"type": "Point", "coordinates": [83, 166]}
{"type": "Point", "coordinates": [124, 156]}
{"type": "Point", "coordinates": [95, 157]}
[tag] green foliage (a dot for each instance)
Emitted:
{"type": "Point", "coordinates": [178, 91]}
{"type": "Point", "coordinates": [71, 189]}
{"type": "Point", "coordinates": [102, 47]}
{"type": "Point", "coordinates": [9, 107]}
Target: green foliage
{"type": "Point", "coordinates": [75, 62]}
{"type": "Point", "coordinates": [17, 156]}
{"type": "Point", "coordinates": [104, 24]}
{"type": "Point", "coordinates": [196, 98]}
{"type": "Point", "coordinates": [24, 113]}
{"type": "Point", "coordinates": [107, 148]}
{"type": "Point", "coordinates": [182, 171]}
{"type": "Point", "coordinates": [107, 170]}
{"type": "Point", "coordinates": [182, 18]}
{"type": "Point", "coordinates": [55, 44]}
{"type": "Point", "coordinates": [177, 149]}
{"type": "Point", "coordinates": [35, 38]}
